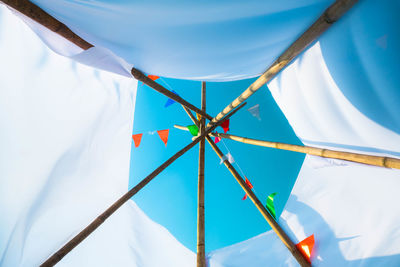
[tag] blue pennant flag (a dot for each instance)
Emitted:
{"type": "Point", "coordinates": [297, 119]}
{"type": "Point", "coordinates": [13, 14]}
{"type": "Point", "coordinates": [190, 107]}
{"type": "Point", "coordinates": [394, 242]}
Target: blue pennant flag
{"type": "Point", "coordinates": [170, 101]}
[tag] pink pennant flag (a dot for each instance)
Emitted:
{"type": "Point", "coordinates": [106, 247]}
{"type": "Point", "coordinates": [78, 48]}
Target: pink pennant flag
{"type": "Point", "coordinates": [217, 139]}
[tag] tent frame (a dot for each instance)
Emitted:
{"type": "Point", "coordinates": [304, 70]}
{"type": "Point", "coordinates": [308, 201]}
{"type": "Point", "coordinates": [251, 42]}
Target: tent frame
{"type": "Point", "coordinates": [330, 15]}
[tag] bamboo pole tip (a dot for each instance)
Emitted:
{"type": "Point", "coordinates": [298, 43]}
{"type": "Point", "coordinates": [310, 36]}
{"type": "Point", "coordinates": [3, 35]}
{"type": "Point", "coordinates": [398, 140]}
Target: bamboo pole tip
{"type": "Point", "coordinates": [137, 74]}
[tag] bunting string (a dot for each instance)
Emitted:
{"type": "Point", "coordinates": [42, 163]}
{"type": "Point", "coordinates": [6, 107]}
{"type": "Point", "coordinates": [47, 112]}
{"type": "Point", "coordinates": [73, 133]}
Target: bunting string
{"type": "Point", "coordinates": [305, 246]}
{"type": "Point", "coordinates": [229, 152]}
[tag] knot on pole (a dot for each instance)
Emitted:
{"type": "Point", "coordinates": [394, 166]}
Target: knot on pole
{"type": "Point", "coordinates": [327, 18]}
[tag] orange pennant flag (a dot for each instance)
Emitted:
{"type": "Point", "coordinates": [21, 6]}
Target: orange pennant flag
{"type": "Point", "coordinates": [306, 246]}
{"type": "Point", "coordinates": [249, 185]}
{"type": "Point", "coordinates": [164, 135]}
{"type": "Point", "coordinates": [137, 138]}
{"type": "Point", "coordinates": [153, 77]}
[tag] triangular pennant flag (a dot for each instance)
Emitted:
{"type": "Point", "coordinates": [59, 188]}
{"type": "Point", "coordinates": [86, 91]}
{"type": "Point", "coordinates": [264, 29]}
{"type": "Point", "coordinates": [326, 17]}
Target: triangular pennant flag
{"type": "Point", "coordinates": [249, 185]}
{"type": "Point", "coordinates": [306, 246]}
{"type": "Point", "coordinates": [225, 125]}
{"type": "Point", "coordinates": [217, 139]}
{"type": "Point", "coordinates": [255, 111]}
{"type": "Point", "coordinates": [164, 135]}
{"type": "Point", "coordinates": [193, 129]}
{"type": "Point", "coordinates": [270, 205]}
{"type": "Point", "coordinates": [170, 101]}
{"type": "Point", "coordinates": [227, 157]}
{"type": "Point", "coordinates": [153, 77]}
{"type": "Point", "coordinates": [136, 139]}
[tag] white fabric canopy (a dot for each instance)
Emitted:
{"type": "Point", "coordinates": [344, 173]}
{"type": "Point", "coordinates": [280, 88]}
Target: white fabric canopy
{"type": "Point", "coordinates": [207, 40]}
{"type": "Point", "coordinates": [65, 128]}
{"type": "Point", "coordinates": [336, 95]}
{"type": "Point", "coordinates": [65, 148]}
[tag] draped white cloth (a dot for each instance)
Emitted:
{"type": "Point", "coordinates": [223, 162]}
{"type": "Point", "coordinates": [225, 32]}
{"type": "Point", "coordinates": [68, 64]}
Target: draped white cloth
{"type": "Point", "coordinates": [342, 93]}
{"type": "Point", "coordinates": [62, 159]}
{"type": "Point", "coordinates": [201, 40]}
{"type": "Point", "coordinates": [65, 143]}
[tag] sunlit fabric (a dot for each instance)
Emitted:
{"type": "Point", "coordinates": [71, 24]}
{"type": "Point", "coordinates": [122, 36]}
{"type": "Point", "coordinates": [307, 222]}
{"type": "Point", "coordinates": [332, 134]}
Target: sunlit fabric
{"type": "Point", "coordinates": [67, 127]}
{"type": "Point", "coordinates": [202, 40]}
{"type": "Point", "coordinates": [341, 94]}
{"type": "Point", "coordinates": [65, 143]}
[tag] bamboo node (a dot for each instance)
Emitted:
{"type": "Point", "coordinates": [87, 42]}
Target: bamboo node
{"type": "Point", "coordinates": [384, 162]}
{"type": "Point", "coordinates": [328, 19]}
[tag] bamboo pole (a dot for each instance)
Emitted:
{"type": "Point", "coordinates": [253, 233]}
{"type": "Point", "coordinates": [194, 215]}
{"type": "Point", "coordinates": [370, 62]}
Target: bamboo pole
{"type": "Point", "coordinates": [379, 161]}
{"type": "Point", "coordinates": [331, 15]}
{"type": "Point", "coordinates": [42, 17]}
{"type": "Point", "coordinates": [270, 220]}
{"type": "Point", "coordinates": [183, 128]}
{"type": "Point", "coordinates": [37, 14]}
{"type": "Point", "coordinates": [57, 256]}
{"type": "Point", "coordinates": [201, 253]}
{"type": "Point", "coordinates": [161, 89]}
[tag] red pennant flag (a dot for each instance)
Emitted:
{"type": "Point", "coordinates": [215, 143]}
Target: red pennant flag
{"type": "Point", "coordinates": [164, 135]}
{"type": "Point", "coordinates": [225, 125]}
{"type": "Point", "coordinates": [137, 138]}
{"type": "Point", "coordinates": [306, 247]}
{"type": "Point", "coordinates": [153, 77]}
{"type": "Point", "coordinates": [249, 185]}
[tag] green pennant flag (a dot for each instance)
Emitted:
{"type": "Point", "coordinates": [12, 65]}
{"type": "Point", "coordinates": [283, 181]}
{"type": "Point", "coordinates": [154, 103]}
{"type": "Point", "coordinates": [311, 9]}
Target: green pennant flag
{"type": "Point", "coordinates": [270, 205]}
{"type": "Point", "coordinates": [193, 129]}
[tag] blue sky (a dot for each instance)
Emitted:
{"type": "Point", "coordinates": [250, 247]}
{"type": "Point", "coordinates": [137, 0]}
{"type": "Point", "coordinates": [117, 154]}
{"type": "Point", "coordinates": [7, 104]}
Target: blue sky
{"type": "Point", "coordinates": [171, 198]}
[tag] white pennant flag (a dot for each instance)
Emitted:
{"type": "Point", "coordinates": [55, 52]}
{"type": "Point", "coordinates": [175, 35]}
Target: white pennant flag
{"type": "Point", "coordinates": [227, 157]}
{"type": "Point", "coordinates": [255, 111]}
